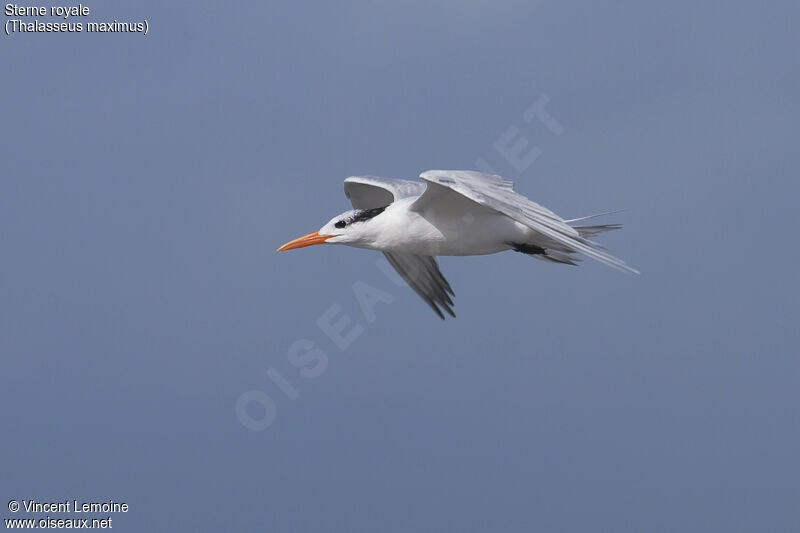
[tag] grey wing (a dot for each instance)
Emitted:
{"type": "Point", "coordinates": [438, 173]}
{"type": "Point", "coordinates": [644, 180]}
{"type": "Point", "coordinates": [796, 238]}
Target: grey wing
{"type": "Point", "coordinates": [369, 192]}
{"type": "Point", "coordinates": [497, 193]}
{"type": "Point", "coordinates": [422, 274]}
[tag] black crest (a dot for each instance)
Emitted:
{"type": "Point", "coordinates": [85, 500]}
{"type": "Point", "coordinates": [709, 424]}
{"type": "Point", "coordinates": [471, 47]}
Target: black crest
{"type": "Point", "coordinates": [366, 214]}
{"type": "Point", "coordinates": [360, 216]}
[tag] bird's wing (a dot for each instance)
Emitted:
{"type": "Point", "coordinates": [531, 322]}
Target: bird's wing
{"type": "Point", "coordinates": [422, 274]}
{"type": "Point", "coordinates": [497, 193]}
{"type": "Point", "coordinates": [369, 192]}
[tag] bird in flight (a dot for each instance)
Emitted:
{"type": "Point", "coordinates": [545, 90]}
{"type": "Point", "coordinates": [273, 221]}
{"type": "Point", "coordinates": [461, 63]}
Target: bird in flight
{"type": "Point", "coordinates": [452, 212]}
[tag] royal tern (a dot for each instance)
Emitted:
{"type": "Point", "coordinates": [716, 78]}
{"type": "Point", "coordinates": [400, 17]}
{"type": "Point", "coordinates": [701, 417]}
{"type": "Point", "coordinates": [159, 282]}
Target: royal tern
{"type": "Point", "coordinates": [454, 212]}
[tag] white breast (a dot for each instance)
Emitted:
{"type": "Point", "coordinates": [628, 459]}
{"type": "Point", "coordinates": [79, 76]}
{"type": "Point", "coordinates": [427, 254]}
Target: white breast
{"type": "Point", "coordinates": [473, 231]}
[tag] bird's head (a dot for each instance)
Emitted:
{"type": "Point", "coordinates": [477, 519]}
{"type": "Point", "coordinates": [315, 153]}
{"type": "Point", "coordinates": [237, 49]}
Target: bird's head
{"type": "Point", "coordinates": [355, 228]}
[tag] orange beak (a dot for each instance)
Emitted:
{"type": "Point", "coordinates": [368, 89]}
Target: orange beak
{"type": "Point", "coordinates": [305, 240]}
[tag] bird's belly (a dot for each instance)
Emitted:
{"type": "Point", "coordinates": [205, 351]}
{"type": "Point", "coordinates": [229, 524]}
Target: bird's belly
{"type": "Point", "coordinates": [471, 235]}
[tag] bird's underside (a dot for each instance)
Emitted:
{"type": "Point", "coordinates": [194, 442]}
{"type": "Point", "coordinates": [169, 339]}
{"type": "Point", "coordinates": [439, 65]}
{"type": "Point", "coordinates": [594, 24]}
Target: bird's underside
{"type": "Point", "coordinates": [461, 197]}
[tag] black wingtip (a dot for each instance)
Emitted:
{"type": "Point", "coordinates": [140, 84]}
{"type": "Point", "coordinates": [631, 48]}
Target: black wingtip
{"type": "Point", "coordinates": [446, 308]}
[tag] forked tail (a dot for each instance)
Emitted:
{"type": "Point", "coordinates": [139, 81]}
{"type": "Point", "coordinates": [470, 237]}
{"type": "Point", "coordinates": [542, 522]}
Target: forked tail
{"type": "Point", "coordinates": [589, 231]}
{"type": "Point", "coordinates": [560, 253]}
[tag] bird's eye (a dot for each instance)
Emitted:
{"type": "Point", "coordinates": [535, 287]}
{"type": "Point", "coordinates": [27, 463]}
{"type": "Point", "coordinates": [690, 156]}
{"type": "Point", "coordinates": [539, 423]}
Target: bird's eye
{"type": "Point", "coordinates": [340, 224]}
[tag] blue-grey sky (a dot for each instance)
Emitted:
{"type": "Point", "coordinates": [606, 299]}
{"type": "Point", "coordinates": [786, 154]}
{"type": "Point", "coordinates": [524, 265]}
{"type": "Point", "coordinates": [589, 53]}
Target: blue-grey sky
{"type": "Point", "coordinates": [147, 180]}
